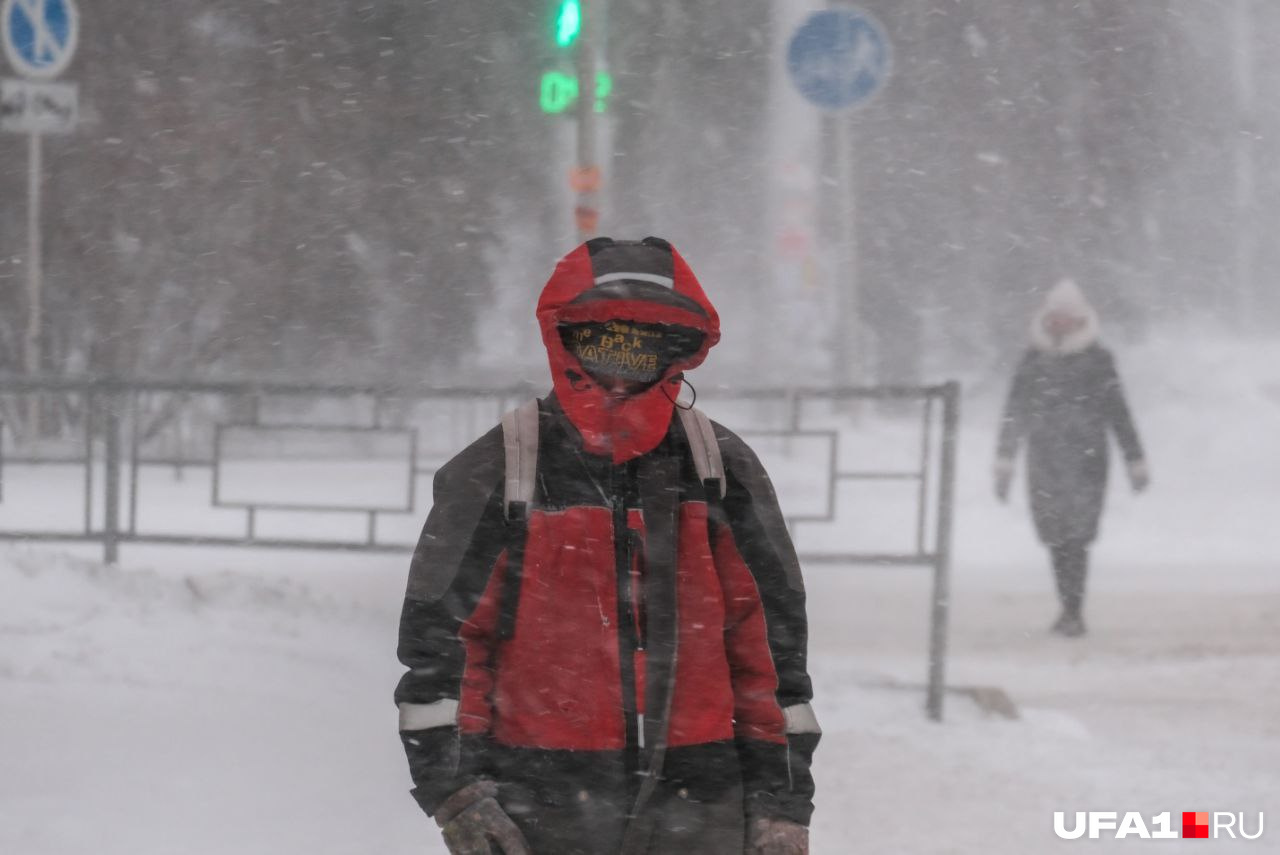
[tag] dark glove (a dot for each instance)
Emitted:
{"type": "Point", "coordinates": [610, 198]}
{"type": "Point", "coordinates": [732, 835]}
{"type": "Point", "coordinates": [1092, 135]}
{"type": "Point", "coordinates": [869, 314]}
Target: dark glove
{"type": "Point", "coordinates": [474, 823]}
{"type": "Point", "coordinates": [1003, 473]}
{"type": "Point", "coordinates": [767, 836]}
{"type": "Point", "coordinates": [1139, 475]}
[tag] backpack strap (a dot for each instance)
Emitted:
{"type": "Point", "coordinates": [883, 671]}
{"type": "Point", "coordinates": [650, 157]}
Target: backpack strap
{"type": "Point", "coordinates": [520, 445]}
{"type": "Point", "coordinates": [705, 448]}
{"type": "Point", "coordinates": [520, 441]}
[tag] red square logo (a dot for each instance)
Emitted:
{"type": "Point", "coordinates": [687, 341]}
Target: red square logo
{"type": "Point", "coordinates": [1195, 824]}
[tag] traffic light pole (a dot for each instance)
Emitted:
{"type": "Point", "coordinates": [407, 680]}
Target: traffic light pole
{"type": "Point", "coordinates": [1245, 193]}
{"type": "Point", "coordinates": [586, 213]}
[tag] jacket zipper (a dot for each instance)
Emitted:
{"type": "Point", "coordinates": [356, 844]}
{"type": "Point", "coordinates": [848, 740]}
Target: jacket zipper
{"type": "Point", "coordinates": [629, 640]}
{"type": "Point", "coordinates": [626, 631]}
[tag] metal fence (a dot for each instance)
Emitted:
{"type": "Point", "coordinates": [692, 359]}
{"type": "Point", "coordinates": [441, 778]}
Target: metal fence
{"type": "Point", "coordinates": [932, 480]}
{"type": "Point", "coordinates": [309, 466]}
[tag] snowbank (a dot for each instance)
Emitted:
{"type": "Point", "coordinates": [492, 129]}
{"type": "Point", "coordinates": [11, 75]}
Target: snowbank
{"type": "Point", "coordinates": [239, 702]}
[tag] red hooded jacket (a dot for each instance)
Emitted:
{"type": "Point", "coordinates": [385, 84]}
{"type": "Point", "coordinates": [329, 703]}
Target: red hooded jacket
{"type": "Point", "coordinates": [589, 285]}
{"type": "Point", "coordinates": [633, 624]}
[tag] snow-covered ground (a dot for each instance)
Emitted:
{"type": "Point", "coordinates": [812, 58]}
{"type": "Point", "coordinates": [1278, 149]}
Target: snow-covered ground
{"type": "Point", "coordinates": [227, 701]}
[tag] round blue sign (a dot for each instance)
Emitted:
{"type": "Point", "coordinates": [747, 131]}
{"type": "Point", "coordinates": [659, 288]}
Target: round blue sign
{"type": "Point", "coordinates": [39, 36]}
{"type": "Point", "coordinates": [839, 57]}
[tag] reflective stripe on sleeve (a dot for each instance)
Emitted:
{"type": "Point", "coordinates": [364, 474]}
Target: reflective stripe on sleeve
{"type": "Point", "coordinates": [800, 719]}
{"type": "Point", "coordinates": [425, 716]}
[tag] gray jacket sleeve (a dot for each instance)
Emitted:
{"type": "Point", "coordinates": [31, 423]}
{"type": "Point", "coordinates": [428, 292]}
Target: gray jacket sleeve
{"type": "Point", "coordinates": [777, 777]}
{"type": "Point", "coordinates": [456, 553]}
{"type": "Point", "coordinates": [1013, 422]}
{"type": "Point", "coordinates": [1117, 411]}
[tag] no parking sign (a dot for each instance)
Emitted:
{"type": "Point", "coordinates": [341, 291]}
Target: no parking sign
{"type": "Point", "coordinates": [839, 57]}
{"type": "Point", "coordinates": [39, 36]}
{"type": "Point", "coordinates": [39, 39]}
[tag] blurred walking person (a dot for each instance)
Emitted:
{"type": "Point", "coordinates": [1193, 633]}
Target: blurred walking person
{"type": "Point", "coordinates": [1065, 399]}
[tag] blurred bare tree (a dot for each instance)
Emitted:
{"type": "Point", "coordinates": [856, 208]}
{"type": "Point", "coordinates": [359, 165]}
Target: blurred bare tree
{"type": "Point", "coordinates": [324, 189]}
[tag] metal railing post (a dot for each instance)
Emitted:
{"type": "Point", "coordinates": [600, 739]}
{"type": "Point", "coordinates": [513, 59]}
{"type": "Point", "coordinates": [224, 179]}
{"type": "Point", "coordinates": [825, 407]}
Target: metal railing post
{"type": "Point", "coordinates": [111, 480]}
{"type": "Point", "coordinates": [942, 551]}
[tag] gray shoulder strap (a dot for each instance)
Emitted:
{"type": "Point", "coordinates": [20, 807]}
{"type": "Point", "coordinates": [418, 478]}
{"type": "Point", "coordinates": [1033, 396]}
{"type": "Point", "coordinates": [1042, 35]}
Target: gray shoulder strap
{"type": "Point", "coordinates": [520, 441]}
{"type": "Point", "coordinates": [703, 444]}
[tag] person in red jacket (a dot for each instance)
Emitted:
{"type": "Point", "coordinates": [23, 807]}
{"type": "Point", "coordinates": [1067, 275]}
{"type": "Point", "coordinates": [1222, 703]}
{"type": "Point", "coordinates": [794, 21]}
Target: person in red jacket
{"type": "Point", "coordinates": [615, 662]}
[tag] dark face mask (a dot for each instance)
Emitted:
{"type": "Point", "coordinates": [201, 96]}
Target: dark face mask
{"type": "Point", "coordinates": [625, 357]}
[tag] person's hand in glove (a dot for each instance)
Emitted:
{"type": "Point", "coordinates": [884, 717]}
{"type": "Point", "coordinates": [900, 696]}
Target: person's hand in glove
{"type": "Point", "coordinates": [1139, 475]}
{"type": "Point", "coordinates": [767, 836]}
{"type": "Point", "coordinates": [473, 823]}
{"type": "Point", "coordinates": [1003, 473]}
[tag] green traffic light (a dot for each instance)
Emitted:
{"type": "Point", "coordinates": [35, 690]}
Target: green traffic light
{"type": "Point", "coordinates": [559, 92]}
{"type": "Point", "coordinates": [568, 22]}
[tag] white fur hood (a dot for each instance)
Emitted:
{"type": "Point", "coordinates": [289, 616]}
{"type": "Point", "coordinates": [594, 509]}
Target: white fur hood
{"type": "Point", "coordinates": [1066, 297]}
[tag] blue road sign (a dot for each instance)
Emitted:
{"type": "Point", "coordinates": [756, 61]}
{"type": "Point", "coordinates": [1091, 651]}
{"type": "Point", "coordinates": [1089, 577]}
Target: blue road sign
{"type": "Point", "coordinates": [39, 36]}
{"type": "Point", "coordinates": [839, 57]}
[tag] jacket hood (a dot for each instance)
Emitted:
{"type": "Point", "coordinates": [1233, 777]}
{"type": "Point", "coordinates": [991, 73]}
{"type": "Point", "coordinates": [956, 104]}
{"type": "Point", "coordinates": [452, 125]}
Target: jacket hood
{"type": "Point", "coordinates": [644, 282]}
{"type": "Point", "coordinates": [1067, 299]}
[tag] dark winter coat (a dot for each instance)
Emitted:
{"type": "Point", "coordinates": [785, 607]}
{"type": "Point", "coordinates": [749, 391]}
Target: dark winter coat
{"type": "Point", "coordinates": [1064, 405]}
{"type": "Point", "coordinates": [630, 658]}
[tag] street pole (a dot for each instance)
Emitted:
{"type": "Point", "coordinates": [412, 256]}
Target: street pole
{"type": "Point", "coordinates": [1246, 234]}
{"type": "Point", "coordinates": [31, 351]}
{"type": "Point", "coordinates": [849, 345]}
{"type": "Point", "coordinates": [587, 205]}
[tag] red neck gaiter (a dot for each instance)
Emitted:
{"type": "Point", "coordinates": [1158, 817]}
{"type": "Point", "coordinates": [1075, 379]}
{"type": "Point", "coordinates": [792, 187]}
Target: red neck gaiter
{"type": "Point", "coordinates": [643, 282]}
